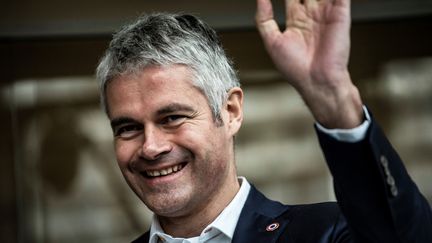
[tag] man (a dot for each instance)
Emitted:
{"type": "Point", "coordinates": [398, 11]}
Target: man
{"type": "Point", "coordinates": [175, 105]}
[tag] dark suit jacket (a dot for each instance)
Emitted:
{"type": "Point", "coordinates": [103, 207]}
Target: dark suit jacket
{"type": "Point", "coordinates": [377, 201]}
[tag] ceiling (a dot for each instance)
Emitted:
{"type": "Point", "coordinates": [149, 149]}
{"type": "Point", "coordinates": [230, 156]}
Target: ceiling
{"type": "Point", "coordinates": [42, 18]}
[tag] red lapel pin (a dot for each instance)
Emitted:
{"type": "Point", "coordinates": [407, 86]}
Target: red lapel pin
{"type": "Point", "coordinates": [272, 227]}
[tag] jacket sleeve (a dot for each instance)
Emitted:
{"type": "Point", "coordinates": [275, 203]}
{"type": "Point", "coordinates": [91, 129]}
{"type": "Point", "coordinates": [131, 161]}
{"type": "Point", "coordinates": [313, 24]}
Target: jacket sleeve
{"type": "Point", "coordinates": [374, 191]}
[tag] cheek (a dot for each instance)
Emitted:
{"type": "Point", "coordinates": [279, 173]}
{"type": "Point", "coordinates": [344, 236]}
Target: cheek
{"type": "Point", "coordinates": [125, 151]}
{"type": "Point", "coordinates": [198, 141]}
{"type": "Point", "coordinates": [210, 145]}
{"type": "Point", "coordinates": [206, 143]}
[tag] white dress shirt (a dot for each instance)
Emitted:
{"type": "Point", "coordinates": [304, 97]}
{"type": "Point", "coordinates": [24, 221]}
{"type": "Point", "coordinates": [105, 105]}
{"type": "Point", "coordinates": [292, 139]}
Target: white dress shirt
{"type": "Point", "coordinates": [221, 230]}
{"type": "Point", "coordinates": [349, 135]}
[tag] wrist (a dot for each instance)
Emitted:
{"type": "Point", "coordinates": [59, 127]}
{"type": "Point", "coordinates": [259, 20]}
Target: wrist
{"type": "Point", "coordinates": [342, 110]}
{"type": "Point", "coordinates": [337, 104]}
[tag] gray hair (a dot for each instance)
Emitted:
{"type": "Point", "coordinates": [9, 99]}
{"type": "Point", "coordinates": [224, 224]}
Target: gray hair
{"type": "Point", "coordinates": [166, 39]}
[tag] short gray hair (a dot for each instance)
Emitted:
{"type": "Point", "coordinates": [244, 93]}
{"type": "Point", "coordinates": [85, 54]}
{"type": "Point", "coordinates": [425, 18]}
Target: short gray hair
{"type": "Point", "coordinates": [166, 39]}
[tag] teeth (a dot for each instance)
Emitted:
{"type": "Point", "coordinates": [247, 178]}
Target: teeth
{"type": "Point", "coordinates": [153, 173]}
{"type": "Point", "coordinates": [164, 172]}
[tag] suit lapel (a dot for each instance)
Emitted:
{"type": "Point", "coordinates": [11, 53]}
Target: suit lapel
{"type": "Point", "coordinates": [257, 215]}
{"type": "Point", "coordinates": [258, 220]}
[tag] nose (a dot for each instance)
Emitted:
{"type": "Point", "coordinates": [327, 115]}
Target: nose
{"type": "Point", "coordinates": [155, 144]}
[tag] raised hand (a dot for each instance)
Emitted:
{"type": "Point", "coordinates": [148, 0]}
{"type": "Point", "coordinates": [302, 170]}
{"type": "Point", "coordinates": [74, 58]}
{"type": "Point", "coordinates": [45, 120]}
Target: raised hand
{"type": "Point", "coordinates": [312, 53]}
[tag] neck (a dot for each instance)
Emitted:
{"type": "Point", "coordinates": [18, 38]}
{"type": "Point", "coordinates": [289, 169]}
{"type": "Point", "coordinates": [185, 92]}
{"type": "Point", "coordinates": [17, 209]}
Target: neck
{"type": "Point", "coordinates": [193, 224]}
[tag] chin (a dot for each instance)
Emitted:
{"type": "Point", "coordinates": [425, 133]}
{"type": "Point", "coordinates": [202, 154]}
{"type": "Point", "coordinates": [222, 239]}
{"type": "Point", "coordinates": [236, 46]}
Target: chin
{"type": "Point", "coordinates": [168, 206]}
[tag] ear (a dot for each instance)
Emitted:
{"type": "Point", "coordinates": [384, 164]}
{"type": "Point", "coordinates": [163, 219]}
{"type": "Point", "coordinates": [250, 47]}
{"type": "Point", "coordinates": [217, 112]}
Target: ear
{"type": "Point", "coordinates": [234, 107]}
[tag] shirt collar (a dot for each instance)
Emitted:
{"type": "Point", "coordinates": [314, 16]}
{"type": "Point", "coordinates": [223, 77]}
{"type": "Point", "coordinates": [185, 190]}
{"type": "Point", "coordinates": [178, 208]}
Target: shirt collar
{"type": "Point", "coordinates": [225, 223]}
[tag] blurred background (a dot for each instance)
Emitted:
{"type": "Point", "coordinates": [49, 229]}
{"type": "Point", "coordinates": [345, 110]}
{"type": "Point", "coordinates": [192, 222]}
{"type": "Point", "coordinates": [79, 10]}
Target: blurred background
{"type": "Point", "coordinates": [59, 179]}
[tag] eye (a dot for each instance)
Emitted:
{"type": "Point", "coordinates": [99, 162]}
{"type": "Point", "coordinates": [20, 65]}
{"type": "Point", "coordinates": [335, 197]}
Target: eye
{"type": "Point", "coordinates": [173, 120]}
{"type": "Point", "coordinates": [128, 131]}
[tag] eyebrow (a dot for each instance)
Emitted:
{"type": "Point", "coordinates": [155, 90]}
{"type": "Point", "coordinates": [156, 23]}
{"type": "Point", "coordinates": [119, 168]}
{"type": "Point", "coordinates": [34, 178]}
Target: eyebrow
{"type": "Point", "coordinates": [173, 107]}
{"type": "Point", "coordinates": [170, 108]}
{"type": "Point", "coordinates": [121, 120]}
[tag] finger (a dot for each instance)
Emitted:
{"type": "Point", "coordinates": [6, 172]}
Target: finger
{"type": "Point", "coordinates": [301, 4]}
{"type": "Point", "coordinates": [264, 10]}
{"type": "Point", "coordinates": [294, 12]}
{"type": "Point", "coordinates": [266, 24]}
{"type": "Point", "coordinates": [290, 4]}
{"type": "Point", "coordinates": [344, 3]}
{"type": "Point", "coordinates": [309, 4]}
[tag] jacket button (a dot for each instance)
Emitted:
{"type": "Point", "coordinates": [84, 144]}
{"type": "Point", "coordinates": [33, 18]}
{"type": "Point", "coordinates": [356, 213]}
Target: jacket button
{"type": "Point", "coordinates": [384, 161]}
{"type": "Point", "coordinates": [394, 191]}
{"type": "Point", "coordinates": [390, 180]}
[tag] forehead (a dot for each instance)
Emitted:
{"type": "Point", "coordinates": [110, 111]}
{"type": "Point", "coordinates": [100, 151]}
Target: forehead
{"type": "Point", "coordinates": [153, 86]}
{"type": "Point", "coordinates": [157, 76]}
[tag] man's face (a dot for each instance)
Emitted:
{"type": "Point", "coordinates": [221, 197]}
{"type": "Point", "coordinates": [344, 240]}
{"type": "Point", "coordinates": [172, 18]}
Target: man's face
{"type": "Point", "coordinates": [172, 153]}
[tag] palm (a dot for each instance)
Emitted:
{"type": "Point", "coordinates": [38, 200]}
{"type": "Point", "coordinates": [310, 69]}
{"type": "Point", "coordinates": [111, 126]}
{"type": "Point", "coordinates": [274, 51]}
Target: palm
{"type": "Point", "coordinates": [312, 52]}
{"type": "Point", "coordinates": [315, 43]}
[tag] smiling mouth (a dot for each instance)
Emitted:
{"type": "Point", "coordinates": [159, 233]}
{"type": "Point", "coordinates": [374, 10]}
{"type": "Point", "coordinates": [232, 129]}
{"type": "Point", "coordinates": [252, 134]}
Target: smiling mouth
{"type": "Point", "coordinates": [164, 172]}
